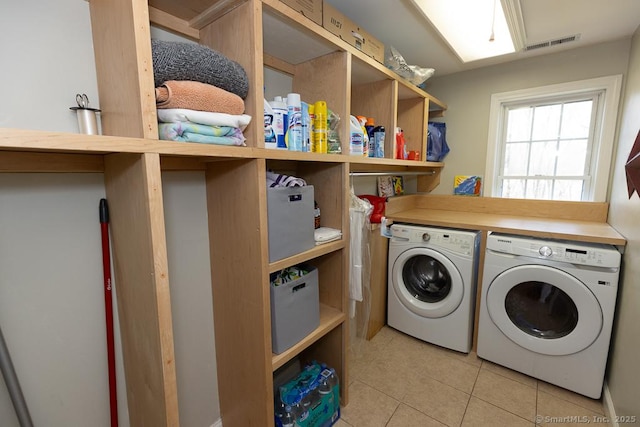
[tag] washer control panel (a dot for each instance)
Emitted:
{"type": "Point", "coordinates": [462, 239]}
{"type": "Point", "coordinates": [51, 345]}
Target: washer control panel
{"type": "Point", "coordinates": [592, 254]}
{"type": "Point", "coordinates": [458, 241]}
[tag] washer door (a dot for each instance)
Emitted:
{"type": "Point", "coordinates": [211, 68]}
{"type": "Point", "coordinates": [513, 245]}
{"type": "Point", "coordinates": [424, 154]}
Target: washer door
{"type": "Point", "coordinates": [427, 282]}
{"type": "Point", "coordinates": [544, 309]}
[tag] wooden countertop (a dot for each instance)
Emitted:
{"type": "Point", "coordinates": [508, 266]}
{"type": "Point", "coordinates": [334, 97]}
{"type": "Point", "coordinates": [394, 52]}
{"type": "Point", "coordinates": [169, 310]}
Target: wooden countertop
{"type": "Point", "coordinates": [476, 215]}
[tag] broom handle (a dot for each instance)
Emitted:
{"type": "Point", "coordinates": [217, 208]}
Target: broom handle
{"type": "Point", "coordinates": [11, 379]}
{"type": "Point", "coordinates": [108, 308]}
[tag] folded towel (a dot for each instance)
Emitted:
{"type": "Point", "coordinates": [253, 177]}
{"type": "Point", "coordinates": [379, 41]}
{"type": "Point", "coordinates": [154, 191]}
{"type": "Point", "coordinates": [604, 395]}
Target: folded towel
{"type": "Point", "coordinates": [326, 234]}
{"type": "Point", "coordinates": [279, 180]}
{"type": "Point", "coordinates": [203, 118]}
{"type": "Point", "coordinates": [193, 61]}
{"type": "Point", "coordinates": [198, 96]}
{"type": "Point", "coordinates": [191, 132]}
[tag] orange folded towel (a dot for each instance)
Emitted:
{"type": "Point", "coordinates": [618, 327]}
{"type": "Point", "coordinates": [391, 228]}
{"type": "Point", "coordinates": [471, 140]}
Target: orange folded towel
{"type": "Point", "coordinates": [198, 96]}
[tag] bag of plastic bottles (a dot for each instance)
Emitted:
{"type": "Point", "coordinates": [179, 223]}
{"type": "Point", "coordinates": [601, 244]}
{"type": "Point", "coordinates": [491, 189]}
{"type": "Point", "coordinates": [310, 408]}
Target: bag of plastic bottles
{"type": "Point", "coordinates": [437, 147]}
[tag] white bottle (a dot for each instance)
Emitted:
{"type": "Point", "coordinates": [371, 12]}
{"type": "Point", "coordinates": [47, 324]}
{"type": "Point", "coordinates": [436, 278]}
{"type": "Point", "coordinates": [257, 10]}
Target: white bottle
{"type": "Point", "coordinates": [294, 131]}
{"type": "Point", "coordinates": [356, 138]}
{"type": "Point", "coordinates": [279, 121]}
{"type": "Point", "coordinates": [288, 418]}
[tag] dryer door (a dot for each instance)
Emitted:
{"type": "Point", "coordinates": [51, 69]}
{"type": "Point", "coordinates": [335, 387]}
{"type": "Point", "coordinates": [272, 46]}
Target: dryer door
{"type": "Point", "coordinates": [544, 309]}
{"type": "Point", "coordinates": [427, 282]}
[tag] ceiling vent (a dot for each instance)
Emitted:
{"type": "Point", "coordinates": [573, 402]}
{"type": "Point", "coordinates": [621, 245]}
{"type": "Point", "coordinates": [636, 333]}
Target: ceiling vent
{"type": "Point", "coordinates": [554, 42]}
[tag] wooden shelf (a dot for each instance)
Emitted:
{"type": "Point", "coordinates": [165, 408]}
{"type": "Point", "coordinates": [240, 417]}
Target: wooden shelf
{"type": "Point", "coordinates": [132, 159]}
{"type": "Point", "coordinates": [330, 318]}
{"type": "Point", "coordinates": [316, 252]}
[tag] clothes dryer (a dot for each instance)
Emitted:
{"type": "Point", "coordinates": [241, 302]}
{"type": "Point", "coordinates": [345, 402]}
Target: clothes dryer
{"type": "Point", "coordinates": [547, 309]}
{"type": "Point", "coordinates": [431, 284]}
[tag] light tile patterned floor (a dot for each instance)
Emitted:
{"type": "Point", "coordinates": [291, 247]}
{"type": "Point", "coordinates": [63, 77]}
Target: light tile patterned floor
{"type": "Point", "coordinates": [399, 381]}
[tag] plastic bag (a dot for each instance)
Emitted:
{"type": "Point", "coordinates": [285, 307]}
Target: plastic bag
{"type": "Point", "coordinates": [333, 134]}
{"type": "Point", "coordinates": [416, 75]}
{"type": "Point", "coordinates": [437, 147]}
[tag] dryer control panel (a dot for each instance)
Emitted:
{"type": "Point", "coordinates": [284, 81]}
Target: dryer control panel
{"type": "Point", "coordinates": [592, 254]}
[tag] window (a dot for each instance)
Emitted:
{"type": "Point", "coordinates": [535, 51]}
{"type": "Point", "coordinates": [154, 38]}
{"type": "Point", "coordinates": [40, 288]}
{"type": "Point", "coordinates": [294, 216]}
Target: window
{"type": "Point", "coordinates": [553, 142]}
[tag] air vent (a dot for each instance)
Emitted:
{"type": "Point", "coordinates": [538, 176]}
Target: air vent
{"type": "Point", "coordinates": [554, 42]}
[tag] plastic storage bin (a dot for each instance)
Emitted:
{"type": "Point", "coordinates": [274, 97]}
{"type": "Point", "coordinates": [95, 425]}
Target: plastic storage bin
{"type": "Point", "coordinates": [295, 310]}
{"type": "Point", "coordinates": [291, 221]}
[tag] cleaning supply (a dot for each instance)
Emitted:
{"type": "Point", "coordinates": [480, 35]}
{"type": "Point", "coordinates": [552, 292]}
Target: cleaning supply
{"type": "Point", "coordinates": [320, 127]}
{"type": "Point", "coordinates": [369, 126]}
{"type": "Point", "coordinates": [293, 137]}
{"type": "Point", "coordinates": [279, 109]}
{"type": "Point", "coordinates": [378, 142]}
{"type": "Point", "coordinates": [306, 127]}
{"type": "Point", "coordinates": [399, 154]}
{"type": "Point", "coordinates": [356, 138]}
{"type": "Point", "coordinates": [365, 144]}
{"type": "Point", "coordinates": [269, 132]}
{"type": "Point", "coordinates": [312, 126]}
{"type": "Point", "coordinates": [334, 146]}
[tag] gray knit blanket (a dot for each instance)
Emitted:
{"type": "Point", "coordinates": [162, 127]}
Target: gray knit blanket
{"type": "Point", "coordinates": [190, 61]}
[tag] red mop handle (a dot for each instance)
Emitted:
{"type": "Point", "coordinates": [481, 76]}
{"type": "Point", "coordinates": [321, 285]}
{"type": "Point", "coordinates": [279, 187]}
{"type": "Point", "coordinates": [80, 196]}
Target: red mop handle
{"type": "Point", "coordinates": [108, 308]}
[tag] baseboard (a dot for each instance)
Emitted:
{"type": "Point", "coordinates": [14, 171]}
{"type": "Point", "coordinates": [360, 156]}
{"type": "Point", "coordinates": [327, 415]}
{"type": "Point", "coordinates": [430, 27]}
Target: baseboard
{"type": "Point", "coordinates": [609, 408]}
{"type": "Point", "coordinates": [217, 423]}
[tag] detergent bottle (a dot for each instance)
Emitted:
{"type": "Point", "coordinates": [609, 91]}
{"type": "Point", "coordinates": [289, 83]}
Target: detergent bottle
{"type": "Point", "coordinates": [356, 138]}
{"type": "Point", "coordinates": [365, 148]}
{"type": "Point", "coordinates": [269, 133]}
{"type": "Point", "coordinates": [279, 109]}
{"type": "Point", "coordinates": [369, 126]}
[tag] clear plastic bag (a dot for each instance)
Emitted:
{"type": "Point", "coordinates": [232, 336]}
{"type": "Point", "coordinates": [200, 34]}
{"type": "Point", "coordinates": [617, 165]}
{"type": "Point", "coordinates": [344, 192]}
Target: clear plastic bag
{"type": "Point", "coordinates": [333, 135]}
{"type": "Point", "coordinates": [416, 75]}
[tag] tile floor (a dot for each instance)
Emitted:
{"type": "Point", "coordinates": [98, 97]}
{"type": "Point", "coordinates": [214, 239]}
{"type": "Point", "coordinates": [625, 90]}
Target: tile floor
{"type": "Point", "coordinates": [399, 381]}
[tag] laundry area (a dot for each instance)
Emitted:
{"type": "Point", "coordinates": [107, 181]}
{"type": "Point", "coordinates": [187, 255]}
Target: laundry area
{"type": "Point", "coordinates": [318, 213]}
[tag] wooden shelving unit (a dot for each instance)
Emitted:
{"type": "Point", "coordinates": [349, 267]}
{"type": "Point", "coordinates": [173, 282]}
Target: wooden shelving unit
{"type": "Point", "coordinates": [132, 160]}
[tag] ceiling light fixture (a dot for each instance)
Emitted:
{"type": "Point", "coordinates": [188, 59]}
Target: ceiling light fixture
{"type": "Point", "coordinates": [463, 25]}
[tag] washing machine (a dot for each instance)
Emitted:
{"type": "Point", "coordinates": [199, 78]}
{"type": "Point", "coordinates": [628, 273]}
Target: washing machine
{"type": "Point", "coordinates": [431, 287]}
{"type": "Point", "coordinates": [547, 309]}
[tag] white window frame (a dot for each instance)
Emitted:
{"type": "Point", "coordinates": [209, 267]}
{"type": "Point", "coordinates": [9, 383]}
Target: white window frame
{"type": "Point", "coordinates": [603, 138]}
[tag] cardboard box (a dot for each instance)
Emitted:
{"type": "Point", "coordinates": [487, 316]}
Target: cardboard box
{"type": "Point", "coordinates": [295, 310]}
{"type": "Point", "coordinates": [312, 9]}
{"type": "Point", "coordinates": [334, 21]}
{"type": "Point", "coordinates": [290, 220]}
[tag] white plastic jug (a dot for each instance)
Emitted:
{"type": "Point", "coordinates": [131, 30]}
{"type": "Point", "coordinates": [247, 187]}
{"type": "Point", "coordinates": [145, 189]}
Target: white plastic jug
{"type": "Point", "coordinates": [356, 138]}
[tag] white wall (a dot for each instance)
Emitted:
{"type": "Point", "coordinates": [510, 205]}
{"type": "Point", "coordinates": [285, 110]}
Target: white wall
{"type": "Point", "coordinates": [468, 95]}
{"type": "Point", "coordinates": [624, 375]}
{"type": "Point", "coordinates": [51, 295]}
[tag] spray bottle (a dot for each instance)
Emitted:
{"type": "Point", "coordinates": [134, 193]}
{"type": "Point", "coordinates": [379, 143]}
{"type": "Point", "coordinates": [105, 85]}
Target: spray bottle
{"type": "Point", "coordinates": [293, 137]}
{"type": "Point", "coordinates": [320, 127]}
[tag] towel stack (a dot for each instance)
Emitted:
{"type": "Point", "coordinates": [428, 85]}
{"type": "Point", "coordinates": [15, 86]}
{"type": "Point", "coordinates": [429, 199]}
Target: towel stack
{"type": "Point", "coordinates": [199, 94]}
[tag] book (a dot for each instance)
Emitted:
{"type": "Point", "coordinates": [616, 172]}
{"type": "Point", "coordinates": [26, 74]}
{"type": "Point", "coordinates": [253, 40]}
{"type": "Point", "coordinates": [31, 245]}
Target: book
{"type": "Point", "coordinates": [398, 185]}
{"type": "Point", "coordinates": [385, 186]}
{"type": "Point", "coordinates": [389, 186]}
{"type": "Point", "coordinates": [467, 185]}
